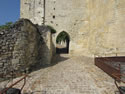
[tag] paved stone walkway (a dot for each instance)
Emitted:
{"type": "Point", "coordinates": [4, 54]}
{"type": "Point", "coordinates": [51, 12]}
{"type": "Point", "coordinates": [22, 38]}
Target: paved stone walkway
{"type": "Point", "coordinates": [70, 75]}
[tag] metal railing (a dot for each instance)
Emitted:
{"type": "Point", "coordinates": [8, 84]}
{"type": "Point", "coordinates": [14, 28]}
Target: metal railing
{"type": "Point", "coordinates": [114, 72]}
{"type": "Point", "coordinates": [117, 79]}
{"type": "Point", "coordinates": [6, 89]}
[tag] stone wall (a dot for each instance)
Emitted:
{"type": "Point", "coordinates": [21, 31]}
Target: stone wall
{"type": "Point", "coordinates": [107, 35]}
{"type": "Point", "coordinates": [33, 10]}
{"type": "Point", "coordinates": [69, 16]}
{"type": "Point", "coordinates": [24, 47]}
{"type": "Point", "coordinates": [47, 49]}
{"type": "Point", "coordinates": [95, 27]}
{"type": "Point", "coordinates": [7, 42]}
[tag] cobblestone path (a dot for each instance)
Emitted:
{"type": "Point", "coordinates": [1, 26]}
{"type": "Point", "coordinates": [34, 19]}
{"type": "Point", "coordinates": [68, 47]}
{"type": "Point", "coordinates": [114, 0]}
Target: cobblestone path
{"type": "Point", "coordinates": [70, 75]}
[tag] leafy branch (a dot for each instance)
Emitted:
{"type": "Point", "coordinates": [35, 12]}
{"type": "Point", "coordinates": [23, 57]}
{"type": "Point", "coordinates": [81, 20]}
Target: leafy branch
{"type": "Point", "coordinates": [6, 26]}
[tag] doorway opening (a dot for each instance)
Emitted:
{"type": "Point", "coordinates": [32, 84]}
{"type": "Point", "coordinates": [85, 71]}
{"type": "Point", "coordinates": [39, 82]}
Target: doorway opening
{"type": "Point", "coordinates": [62, 43]}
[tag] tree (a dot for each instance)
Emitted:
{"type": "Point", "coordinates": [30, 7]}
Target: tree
{"type": "Point", "coordinates": [6, 26]}
{"type": "Point", "coordinates": [63, 36]}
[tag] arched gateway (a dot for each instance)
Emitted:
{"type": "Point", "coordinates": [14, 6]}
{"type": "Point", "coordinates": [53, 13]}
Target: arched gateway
{"type": "Point", "coordinates": [62, 42]}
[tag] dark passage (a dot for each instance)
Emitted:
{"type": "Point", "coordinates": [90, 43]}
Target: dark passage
{"type": "Point", "coordinates": [62, 43]}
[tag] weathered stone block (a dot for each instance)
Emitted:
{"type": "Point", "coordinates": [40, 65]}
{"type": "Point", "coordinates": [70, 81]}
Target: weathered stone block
{"type": "Point", "coordinates": [1, 64]}
{"type": "Point", "coordinates": [15, 61]}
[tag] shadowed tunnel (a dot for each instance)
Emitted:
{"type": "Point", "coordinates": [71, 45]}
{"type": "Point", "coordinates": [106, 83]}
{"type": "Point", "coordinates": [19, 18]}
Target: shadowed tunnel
{"type": "Point", "coordinates": [62, 43]}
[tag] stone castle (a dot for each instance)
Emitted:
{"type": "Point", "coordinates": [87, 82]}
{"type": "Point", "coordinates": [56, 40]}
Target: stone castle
{"type": "Point", "coordinates": [95, 27]}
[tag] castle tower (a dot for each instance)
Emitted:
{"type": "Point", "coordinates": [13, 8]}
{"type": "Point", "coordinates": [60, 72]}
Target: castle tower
{"type": "Point", "coordinates": [66, 15]}
{"type": "Point", "coordinates": [33, 10]}
{"type": "Point", "coordinates": [94, 26]}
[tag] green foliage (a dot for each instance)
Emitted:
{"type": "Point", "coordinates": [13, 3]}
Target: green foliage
{"type": "Point", "coordinates": [52, 29]}
{"type": "Point", "coordinates": [62, 37]}
{"type": "Point", "coordinates": [6, 26]}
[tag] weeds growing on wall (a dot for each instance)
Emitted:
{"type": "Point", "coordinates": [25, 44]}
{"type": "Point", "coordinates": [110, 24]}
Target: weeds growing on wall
{"type": "Point", "coordinates": [52, 29]}
{"type": "Point", "coordinates": [6, 26]}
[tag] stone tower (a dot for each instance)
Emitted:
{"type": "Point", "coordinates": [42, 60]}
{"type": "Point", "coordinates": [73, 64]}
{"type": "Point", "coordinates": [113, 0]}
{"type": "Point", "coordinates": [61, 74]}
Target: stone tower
{"type": "Point", "coordinates": [33, 10]}
{"type": "Point", "coordinates": [95, 27]}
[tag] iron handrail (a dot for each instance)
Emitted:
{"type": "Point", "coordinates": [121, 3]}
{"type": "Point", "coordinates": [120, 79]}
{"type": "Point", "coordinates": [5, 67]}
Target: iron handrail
{"type": "Point", "coordinates": [118, 79]}
{"type": "Point", "coordinates": [5, 90]}
{"type": "Point", "coordinates": [106, 59]}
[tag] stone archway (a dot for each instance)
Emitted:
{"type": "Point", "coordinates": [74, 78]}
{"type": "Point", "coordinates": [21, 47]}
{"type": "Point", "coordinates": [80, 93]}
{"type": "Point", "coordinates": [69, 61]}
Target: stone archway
{"type": "Point", "coordinates": [62, 43]}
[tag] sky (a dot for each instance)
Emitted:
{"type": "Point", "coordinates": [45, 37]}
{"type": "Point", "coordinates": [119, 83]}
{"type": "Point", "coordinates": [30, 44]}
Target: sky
{"type": "Point", "coordinates": [9, 11]}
